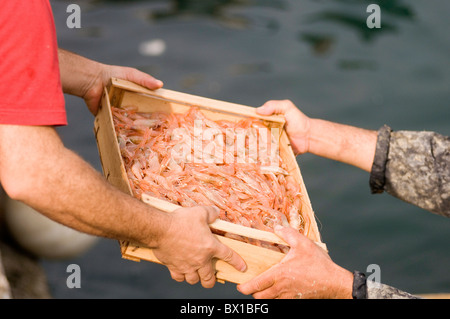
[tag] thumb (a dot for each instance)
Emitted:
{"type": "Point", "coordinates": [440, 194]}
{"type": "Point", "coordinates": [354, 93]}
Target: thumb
{"type": "Point", "coordinates": [132, 75]}
{"type": "Point", "coordinates": [144, 79]}
{"type": "Point", "coordinates": [267, 108]}
{"type": "Point", "coordinates": [275, 107]}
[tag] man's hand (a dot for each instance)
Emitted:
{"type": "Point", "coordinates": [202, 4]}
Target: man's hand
{"type": "Point", "coordinates": [94, 91]}
{"type": "Point", "coordinates": [86, 78]}
{"type": "Point", "coordinates": [306, 272]}
{"type": "Point", "coordinates": [297, 123]}
{"type": "Point", "coordinates": [188, 247]}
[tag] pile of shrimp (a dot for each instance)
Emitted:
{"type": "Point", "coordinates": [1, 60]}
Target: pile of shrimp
{"type": "Point", "coordinates": [168, 156]}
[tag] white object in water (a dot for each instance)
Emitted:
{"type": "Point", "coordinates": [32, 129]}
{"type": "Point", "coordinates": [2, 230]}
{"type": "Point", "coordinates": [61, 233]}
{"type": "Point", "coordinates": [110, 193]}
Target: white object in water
{"type": "Point", "coordinates": [155, 47]}
{"type": "Point", "coordinates": [42, 236]}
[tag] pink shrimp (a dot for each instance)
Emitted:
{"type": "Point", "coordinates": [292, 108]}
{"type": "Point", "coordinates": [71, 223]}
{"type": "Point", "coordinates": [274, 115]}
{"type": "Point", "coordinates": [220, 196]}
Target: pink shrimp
{"type": "Point", "coordinates": [163, 158]}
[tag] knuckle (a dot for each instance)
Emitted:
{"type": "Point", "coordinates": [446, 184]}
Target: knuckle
{"type": "Point", "coordinates": [228, 256]}
{"type": "Point", "coordinates": [288, 103]}
{"type": "Point", "coordinates": [209, 276]}
{"type": "Point", "coordinates": [258, 285]}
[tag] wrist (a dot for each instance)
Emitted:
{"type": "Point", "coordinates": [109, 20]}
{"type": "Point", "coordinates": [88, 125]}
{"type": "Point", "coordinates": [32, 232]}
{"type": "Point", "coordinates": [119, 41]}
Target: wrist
{"type": "Point", "coordinates": [92, 81]}
{"type": "Point", "coordinates": [344, 279]}
{"type": "Point", "coordinates": [300, 135]}
{"type": "Point", "coordinates": [309, 123]}
{"type": "Point", "coordinates": [77, 73]}
{"type": "Point", "coordinates": [319, 138]}
{"type": "Point", "coordinates": [153, 225]}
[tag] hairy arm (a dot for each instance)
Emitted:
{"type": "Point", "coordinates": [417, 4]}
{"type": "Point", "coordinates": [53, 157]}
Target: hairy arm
{"type": "Point", "coordinates": [38, 170]}
{"type": "Point", "coordinates": [344, 143]}
{"type": "Point", "coordinates": [412, 166]}
{"type": "Point", "coordinates": [86, 78]}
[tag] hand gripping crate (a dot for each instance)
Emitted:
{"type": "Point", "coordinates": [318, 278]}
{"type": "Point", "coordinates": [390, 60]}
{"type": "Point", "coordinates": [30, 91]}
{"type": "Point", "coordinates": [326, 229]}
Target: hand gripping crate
{"type": "Point", "coordinates": [122, 93]}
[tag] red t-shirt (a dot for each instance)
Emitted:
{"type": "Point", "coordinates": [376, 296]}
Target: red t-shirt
{"type": "Point", "coordinates": [30, 85]}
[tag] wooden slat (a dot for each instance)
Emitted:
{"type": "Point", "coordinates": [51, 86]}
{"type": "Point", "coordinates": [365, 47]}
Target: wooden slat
{"type": "Point", "coordinates": [225, 226]}
{"type": "Point", "coordinates": [193, 100]}
{"type": "Point", "coordinates": [218, 224]}
{"type": "Point", "coordinates": [108, 148]}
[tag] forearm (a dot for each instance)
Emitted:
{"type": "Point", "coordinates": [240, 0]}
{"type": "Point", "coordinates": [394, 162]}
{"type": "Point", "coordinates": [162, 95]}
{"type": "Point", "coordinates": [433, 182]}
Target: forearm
{"type": "Point", "coordinates": [344, 143]}
{"type": "Point", "coordinates": [77, 73]}
{"type": "Point", "coordinates": [58, 183]}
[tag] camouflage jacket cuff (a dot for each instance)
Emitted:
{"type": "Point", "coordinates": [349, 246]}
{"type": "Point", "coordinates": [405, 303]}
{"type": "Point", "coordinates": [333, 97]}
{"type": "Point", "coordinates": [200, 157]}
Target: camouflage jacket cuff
{"type": "Point", "coordinates": [381, 291]}
{"type": "Point", "coordinates": [377, 174]}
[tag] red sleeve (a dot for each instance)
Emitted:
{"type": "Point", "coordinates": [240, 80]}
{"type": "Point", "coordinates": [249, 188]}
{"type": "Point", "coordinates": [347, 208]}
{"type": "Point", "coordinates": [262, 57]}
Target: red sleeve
{"type": "Point", "coordinates": [30, 85]}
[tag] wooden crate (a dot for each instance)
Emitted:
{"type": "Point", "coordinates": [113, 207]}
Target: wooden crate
{"type": "Point", "coordinates": [122, 93]}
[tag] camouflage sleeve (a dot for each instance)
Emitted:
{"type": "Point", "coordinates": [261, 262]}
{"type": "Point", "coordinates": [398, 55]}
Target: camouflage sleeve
{"type": "Point", "coordinates": [415, 167]}
{"type": "Point", "coordinates": [381, 291]}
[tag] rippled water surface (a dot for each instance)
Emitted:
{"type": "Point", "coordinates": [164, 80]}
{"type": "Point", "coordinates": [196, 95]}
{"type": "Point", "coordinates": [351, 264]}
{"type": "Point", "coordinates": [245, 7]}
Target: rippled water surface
{"type": "Point", "coordinates": [322, 56]}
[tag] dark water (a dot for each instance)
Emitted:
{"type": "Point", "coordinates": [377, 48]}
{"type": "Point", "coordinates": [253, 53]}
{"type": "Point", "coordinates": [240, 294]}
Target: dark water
{"type": "Point", "coordinates": [322, 56]}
